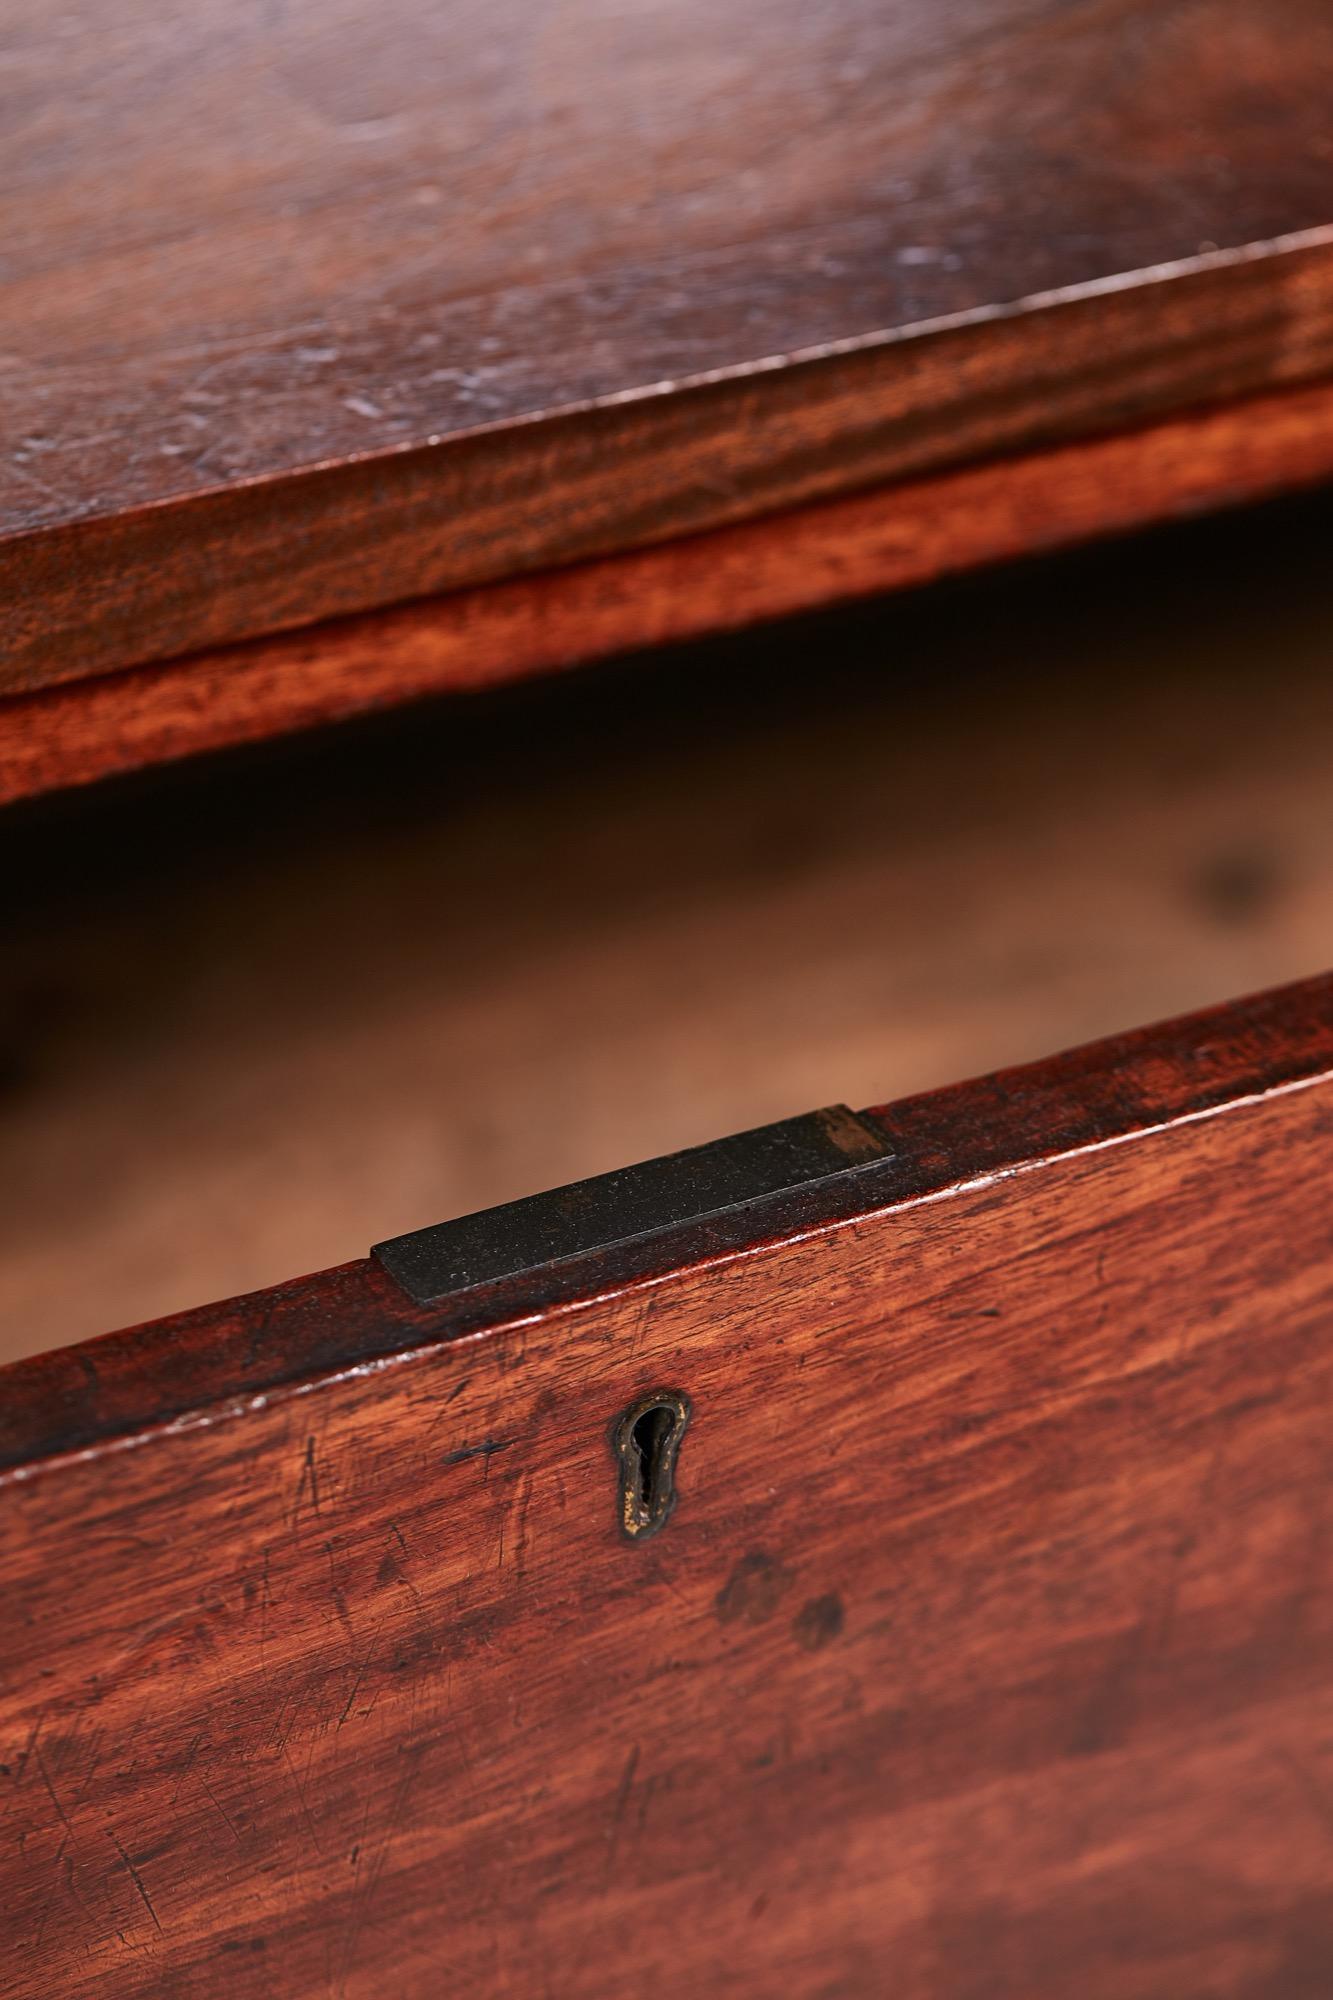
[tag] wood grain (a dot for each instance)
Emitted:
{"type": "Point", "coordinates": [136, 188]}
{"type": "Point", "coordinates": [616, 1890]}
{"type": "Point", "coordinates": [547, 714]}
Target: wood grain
{"type": "Point", "coordinates": [985, 1653]}
{"type": "Point", "coordinates": [308, 312]}
{"type": "Point", "coordinates": [702, 584]}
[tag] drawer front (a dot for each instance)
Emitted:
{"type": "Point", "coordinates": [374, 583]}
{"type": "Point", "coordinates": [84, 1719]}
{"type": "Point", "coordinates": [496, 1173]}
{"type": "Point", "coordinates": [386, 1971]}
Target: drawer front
{"type": "Point", "coordinates": [905, 1575]}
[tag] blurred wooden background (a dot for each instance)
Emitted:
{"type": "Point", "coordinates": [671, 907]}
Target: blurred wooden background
{"type": "Point", "coordinates": [257, 1013]}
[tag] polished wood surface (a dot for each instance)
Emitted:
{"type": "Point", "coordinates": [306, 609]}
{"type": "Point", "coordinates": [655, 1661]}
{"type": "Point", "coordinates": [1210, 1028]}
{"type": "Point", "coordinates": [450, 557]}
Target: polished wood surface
{"type": "Point", "coordinates": [308, 310]}
{"type": "Point", "coordinates": [986, 1651]}
{"type": "Point", "coordinates": [730, 578]}
{"type": "Point", "coordinates": [262, 1011]}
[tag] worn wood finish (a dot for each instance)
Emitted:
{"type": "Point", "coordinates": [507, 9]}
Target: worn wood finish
{"type": "Point", "coordinates": [987, 1650]}
{"type": "Point", "coordinates": [308, 311]}
{"type": "Point", "coordinates": [701, 584]}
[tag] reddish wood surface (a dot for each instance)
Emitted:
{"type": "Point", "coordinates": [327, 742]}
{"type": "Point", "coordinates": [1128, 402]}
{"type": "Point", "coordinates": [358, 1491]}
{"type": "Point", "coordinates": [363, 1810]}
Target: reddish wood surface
{"type": "Point", "coordinates": [987, 1650]}
{"type": "Point", "coordinates": [723, 580]}
{"type": "Point", "coordinates": [308, 310]}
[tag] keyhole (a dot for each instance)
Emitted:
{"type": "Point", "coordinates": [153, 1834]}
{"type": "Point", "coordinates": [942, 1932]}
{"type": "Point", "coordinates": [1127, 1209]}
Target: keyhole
{"type": "Point", "coordinates": [647, 1439]}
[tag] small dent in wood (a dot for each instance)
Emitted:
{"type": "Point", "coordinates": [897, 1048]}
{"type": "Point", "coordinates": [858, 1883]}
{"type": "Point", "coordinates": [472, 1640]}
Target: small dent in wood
{"type": "Point", "coordinates": [819, 1622]}
{"type": "Point", "coordinates": [753, 1591]}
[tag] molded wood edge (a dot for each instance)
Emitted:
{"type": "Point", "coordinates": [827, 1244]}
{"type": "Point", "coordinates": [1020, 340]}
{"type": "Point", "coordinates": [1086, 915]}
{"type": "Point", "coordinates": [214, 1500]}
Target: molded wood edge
{"type": "Point", "coordinates": [99, 594]}
{"type": "Point", "coordinates": [837, 550]}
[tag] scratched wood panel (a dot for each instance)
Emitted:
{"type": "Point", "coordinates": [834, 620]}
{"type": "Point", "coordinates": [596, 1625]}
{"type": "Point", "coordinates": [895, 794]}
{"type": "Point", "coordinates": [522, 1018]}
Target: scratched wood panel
{"type": "Point", "coordinates": [987, 1651]}
{"type": "Point", "coordinates": [308, 310]}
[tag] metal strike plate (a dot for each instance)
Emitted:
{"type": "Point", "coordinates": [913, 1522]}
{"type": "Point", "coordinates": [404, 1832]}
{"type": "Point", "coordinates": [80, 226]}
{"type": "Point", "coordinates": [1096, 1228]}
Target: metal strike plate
{"type": "Point", "coordinates": [632, 1205]}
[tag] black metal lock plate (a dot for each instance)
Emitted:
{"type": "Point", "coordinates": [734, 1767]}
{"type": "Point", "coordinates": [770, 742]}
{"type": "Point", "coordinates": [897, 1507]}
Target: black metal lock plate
{"type": "Point", "coordinates": [631, 1205]}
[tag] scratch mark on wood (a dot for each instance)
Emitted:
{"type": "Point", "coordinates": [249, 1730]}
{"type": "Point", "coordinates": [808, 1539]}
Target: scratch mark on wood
{"type": "Point", "coordinates": [188, 1765]}
{"type": "Point", "coordinates": [300, 1793]}
{"type": "Point", "coordinates": [137, 1880]}
{"type": "Point", "coordinates": [486, 1450]}
{"type": "Point", "coordinates": [50, 1788]}
{"type": "Point", "coordinates": [362, 1901]}
{"type": "Point", "coordinates": [522, 1501]}
{"type": "Point", "coordinates": [336, 1594]}
{"type": "Point", "coordinates": [263, 1620]}
{"type": "Point", "coordinates": [67, 1869]}
{"type": "Point", "coordinates": [360, 1675]}
{"type": "Point", "coordinates": [642, 1323]}
{"type": "Point", "coordinates": [308, 1482]}
{"type": "Point", "coordinates": [623, 1791]}
{"type": "Point", "coordinates": [221, 1809]}
{"type": "Point", "coordinates": [29, 1746]}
